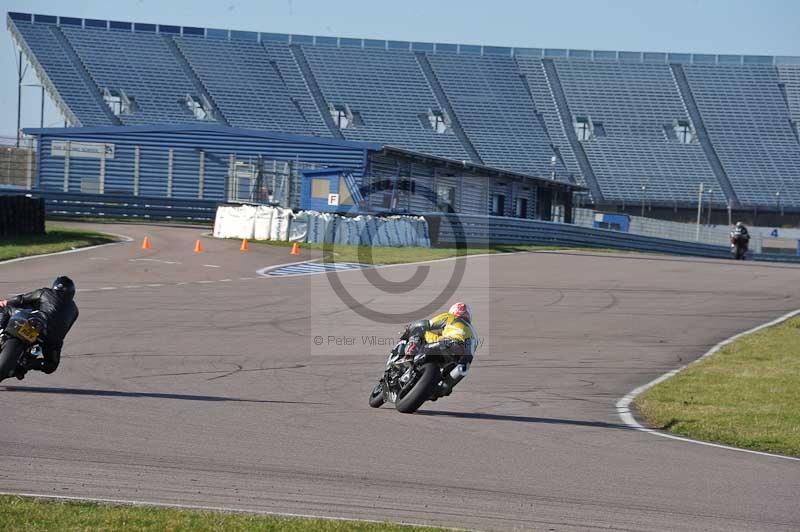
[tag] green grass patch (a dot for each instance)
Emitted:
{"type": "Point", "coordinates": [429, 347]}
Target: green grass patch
{"type": "Point", "coordinates": [57, 238]}
{"type": "Point", "coordinates": [30, 514]}
{"type": "Point", "coordinates": [401, 255]}
{"type": "Point", "coordinates": [746, 395]}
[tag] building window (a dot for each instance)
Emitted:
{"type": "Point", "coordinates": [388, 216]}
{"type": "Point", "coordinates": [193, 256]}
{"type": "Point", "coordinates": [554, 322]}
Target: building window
{"type": "Point", "coordinates": [445, 198]}
{"type": "Point", "coordinates": [344, 117]}
{"type": "Point", "coordinates": [407, 185]}
{"type": "Point", "coordinates": [598, 129]}
{"type": "Point", "coordinates": [320, 188]}
{"type": "Point", "coordinates": [344, 193]}
{"type": "Point", "coordinates": [436, 121]}
{"type": "Point", "coordinates": [521, 208]}
{"type": "Point", "coordinates": [498, 205]}
{"type": "Point", "coordinates": [119, 102]}
{"type": "Point", "coordinates": [583, 128]}
{"type": "Point", "coordinates": [199, 107]}
{"type": "Point", "coordinates": [684, 132]}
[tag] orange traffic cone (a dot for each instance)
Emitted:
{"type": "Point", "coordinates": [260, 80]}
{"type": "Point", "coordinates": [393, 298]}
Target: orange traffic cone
{"type": "Point", "coordinates": [146, 243]}
{"type": "Point", "coordinates": [198, 246]}
{"type": "Point", "coordinates": [295, 249]}
{"type": "Point", "coordinates": [245, 245]}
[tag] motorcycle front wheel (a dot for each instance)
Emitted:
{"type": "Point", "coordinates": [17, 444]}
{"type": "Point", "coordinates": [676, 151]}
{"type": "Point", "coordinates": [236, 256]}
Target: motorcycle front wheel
{"type": "Point", "coordinates": [376, 396]}
{"type": "Point", "coordinates": [9, 355]}
{"type": "Point", "coordinates": [412, 397]}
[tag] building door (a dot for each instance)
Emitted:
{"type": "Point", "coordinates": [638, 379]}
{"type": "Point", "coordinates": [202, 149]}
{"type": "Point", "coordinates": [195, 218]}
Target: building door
{"type": "Point", "coordinates": [545, 204]}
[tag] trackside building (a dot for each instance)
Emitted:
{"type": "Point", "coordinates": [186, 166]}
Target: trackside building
{"type": "Point", "coordinates": [216, 163]}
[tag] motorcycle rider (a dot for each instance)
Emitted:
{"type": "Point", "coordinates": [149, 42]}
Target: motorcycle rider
{"type": "Point", "coordinates": [60, 311]}
{"type": "Point", "coordinates": [449, 333]}
{"type": "Point", "coordinates": [740, 230]}
{"type": "Point", "coordinates": [740, 237]}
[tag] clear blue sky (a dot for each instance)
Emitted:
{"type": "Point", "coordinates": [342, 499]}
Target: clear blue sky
{"type": "Point", "coordinates": [770, 27]}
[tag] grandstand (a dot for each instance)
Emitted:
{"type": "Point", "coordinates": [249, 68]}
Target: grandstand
{"type": "Point", "coordinates": [634, 128]}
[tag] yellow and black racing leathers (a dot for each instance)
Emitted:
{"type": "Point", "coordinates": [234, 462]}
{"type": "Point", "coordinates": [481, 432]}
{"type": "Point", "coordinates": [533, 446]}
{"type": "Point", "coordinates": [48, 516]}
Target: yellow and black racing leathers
{"type": "Point", "coordinates": [453, 336]}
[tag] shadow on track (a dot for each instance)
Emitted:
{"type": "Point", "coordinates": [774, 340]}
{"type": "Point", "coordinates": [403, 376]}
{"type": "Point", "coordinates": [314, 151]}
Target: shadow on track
{"type": "Point", "coordinates": [154, 395]}
{"type": "Point", "coordinates": [523, 419]}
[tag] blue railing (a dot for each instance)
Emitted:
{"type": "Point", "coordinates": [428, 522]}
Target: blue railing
{"type": "Point", "coordinates": [135, 207]}
{"type": "Point", "coordinates": [449, 230]}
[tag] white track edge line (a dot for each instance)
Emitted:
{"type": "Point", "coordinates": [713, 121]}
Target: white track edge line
{"type": "Point", "coordinates": [130, 502]}
{"type": "Point", "coordinates": [264, 272]}
{"type": "Point", "coordinates": [124, 239]}
{"type": "Point", "coordinates": [624, 410]}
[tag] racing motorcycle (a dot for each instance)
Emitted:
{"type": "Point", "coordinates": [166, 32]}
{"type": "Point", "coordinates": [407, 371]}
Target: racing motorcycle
{"type": "Point", "coordinates": [739, 244]}
{"type": "Point", "coordinates": [410, 381]}
{"type": "Point", "coordinates": [20, 340]}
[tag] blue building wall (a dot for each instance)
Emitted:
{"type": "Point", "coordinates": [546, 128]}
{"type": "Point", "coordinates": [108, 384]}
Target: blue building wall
{"type": "Point", "coordinates": [187, 142]}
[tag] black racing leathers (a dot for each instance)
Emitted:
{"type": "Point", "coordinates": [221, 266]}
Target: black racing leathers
{"type": "Point", "coordinates": [60, 313]}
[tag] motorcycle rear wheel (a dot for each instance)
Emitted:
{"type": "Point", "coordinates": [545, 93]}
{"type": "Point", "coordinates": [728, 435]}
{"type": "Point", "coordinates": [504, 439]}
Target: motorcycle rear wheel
{"type": "Point", "coordinates": [9, 355]}
{"type": "Point", "coordinates": [421, 390]}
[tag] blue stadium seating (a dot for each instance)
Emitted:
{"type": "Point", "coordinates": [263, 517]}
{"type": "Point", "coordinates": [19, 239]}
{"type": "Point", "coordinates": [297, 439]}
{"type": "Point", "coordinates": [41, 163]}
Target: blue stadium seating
{"type": "Point", "coordinates": [634, 102]}
{"type": "Point", "coordinates": [534, 76]}
{"type": "Point", "coordinates": [790, 77]}
{"type": "Point", "coordinates": [389, 90]}
{"type": "Point", "coordinates": [246, 86]}
{"type": "Point", "coordinates": [495, 110]}
{"type": "Point", "coordinates": [507, 107]}
{"type": "Point", "coordinates": [139, 63]}
{"type": "Point", "coordinates": [748, 121]}
{"type": "Point", "coordinates": [74, 91]}
{"type": "Point", "coordinates": [297, 86]}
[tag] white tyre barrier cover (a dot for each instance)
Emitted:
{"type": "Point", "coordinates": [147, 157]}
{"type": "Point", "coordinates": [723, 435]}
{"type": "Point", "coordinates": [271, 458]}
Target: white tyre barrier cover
{"type": "Point", "coordinates": [275, 223]}
{"type": "Point", "coordinates": [280, 224]}
{"type": "Point", "coordinates": [298, 229]}
{"type": "Point", "coordinates": [262, 228]}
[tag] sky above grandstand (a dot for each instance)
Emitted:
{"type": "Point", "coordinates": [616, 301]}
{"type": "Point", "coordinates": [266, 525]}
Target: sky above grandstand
{"type": "Point", "coordinates": [763, 27]}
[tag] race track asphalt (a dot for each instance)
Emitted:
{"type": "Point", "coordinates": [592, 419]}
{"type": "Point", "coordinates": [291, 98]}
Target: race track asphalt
{"type": "Point", "coordinates": [189, 379]}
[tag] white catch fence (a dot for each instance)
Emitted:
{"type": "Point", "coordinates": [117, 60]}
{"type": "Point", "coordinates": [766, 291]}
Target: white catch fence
{"type": "Point", "coordinates": [263, 222]}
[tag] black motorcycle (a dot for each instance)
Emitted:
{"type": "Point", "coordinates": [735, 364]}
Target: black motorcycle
{"type": "Point", "coordinates": [20, 340]}
{"type": "Point", "coordinates": [410, 381]}
{"type": "Point", "coordinates": [739, 245]}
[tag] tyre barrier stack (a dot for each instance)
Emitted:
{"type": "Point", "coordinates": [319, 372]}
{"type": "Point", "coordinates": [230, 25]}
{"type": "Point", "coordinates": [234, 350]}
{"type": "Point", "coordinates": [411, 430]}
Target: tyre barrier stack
{"type": "Point", "coordinates": [263, 222]}
{"type": "Point", "coordinates": [21, 215]}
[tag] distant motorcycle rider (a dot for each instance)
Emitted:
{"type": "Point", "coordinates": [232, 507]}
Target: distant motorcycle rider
{"type": "Point", "coordinates": [60, 311]}
{"type": "Point", "coordinates": [449, 333]}
{"type": "Point", "coordinates": [740, 230]}
{"type": "Point", "coordinates": [740, 240]}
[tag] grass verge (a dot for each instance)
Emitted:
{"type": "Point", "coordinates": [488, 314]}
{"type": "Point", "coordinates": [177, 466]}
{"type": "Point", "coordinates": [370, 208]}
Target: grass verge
{"type": "Point", "coordinates": [401, 255]}
{"type": "Point", "coordinates": [746, 395]}
{"type": "Point", "coordinates": [41, 515]}
{"type": "Point", "coordinates": [57, 238]}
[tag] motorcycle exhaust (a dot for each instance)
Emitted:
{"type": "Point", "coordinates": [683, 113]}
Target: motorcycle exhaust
{"type": "Point", "coordinates": [459, 372]}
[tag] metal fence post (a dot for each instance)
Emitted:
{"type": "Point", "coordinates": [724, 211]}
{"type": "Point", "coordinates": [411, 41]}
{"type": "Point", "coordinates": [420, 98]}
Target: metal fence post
{"type": "Point", "coordinates": [102, 184]}
{"type": "Point", "coordinates": [201, 177]}
{"type": "Point", "coordinates": [169, 172]}
{"type": "Point", "coordinates": [231, 176]}
{"type": "Point", "coordinates": [136, 162]}
{"type": "Point", "coordinates": [29, 180]}
{"type": "Point", "coordinates": [66, 166]}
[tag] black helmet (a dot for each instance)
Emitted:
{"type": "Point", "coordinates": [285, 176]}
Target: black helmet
{"type": "Point", "coordinates": [64, 285]}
